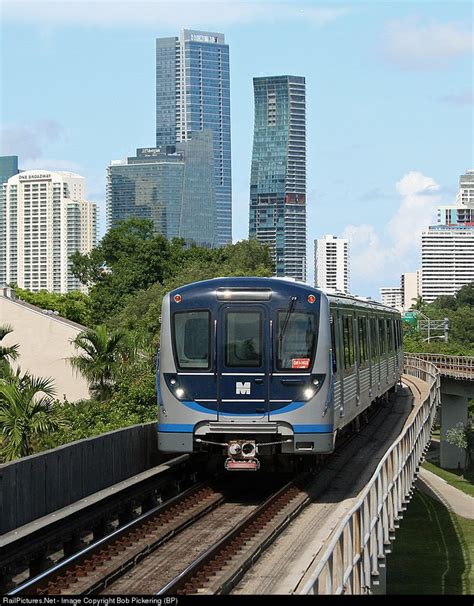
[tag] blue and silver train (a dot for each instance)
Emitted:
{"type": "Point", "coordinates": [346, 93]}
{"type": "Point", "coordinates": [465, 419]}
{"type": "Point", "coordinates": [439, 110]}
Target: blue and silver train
{"type": "Point", "coordinates": [253, 369]}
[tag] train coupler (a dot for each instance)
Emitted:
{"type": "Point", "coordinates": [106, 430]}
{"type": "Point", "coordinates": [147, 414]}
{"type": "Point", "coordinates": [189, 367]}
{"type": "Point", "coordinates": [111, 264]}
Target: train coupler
{"type": "Point", "coordinates": [242, 456]}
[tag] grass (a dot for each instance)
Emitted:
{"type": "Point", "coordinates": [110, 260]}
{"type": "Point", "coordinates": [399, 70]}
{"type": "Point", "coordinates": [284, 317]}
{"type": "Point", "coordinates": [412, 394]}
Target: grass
{"type": "Point", "coordinates": [462, 480]}
{"type": "Point", "coordinates": [433, 551]}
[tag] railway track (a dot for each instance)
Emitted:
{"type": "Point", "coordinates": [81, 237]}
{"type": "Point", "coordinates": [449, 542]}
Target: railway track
{"type": "Point", "coordinates": [200, 542]}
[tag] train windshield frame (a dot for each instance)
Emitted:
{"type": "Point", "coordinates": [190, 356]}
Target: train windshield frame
{"type": "Point", "coordinates": [296, 346]}
{"type": "Point", "coordinates": [192, 351]}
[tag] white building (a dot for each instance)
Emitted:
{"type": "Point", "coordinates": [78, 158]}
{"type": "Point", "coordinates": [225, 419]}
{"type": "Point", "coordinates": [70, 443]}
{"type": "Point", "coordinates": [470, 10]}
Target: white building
{"type": "Point", "coordinates": [331, 263]}
{"type": "Point", "coordinates": [447, 258]}
{"type": "Point", "coordinates": [410, 283]}
{"type": "Point", "coordinates": [392, 296]}
{"type": "Point", "coordinates": [44, 218]}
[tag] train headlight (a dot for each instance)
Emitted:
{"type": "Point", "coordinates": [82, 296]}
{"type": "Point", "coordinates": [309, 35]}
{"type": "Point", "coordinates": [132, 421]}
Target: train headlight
{"type": "Point", "coordinates": [179, 391]}
{"type": "Point", "coordinates": [309, 393]}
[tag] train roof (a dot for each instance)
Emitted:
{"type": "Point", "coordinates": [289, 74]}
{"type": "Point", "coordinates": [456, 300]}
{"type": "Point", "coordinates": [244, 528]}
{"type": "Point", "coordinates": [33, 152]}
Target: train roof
{"type": "Point", "coordinates": [283, 285]}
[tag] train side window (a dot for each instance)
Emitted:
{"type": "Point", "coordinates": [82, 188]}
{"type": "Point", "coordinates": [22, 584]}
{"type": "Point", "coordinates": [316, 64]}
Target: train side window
{"type": "Point", "coordinates": [192, 339]}
{"type": "Point", "coordinates": [389, 336]}
{"type": "Point", "coordinates": [243, 347]}
{"type": "Point", "coordinates": [348, 339]}
{"type": "Point", "coordinates": [363, 353]}
{"type": "Point", "coordinates": [382, 336]}
{"type": "Point", "coordinates": [333, 343]}
{"type": "Point", "coordinates": [373, 338]}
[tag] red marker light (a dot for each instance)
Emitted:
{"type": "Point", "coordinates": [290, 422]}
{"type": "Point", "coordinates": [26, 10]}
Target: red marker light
{"type": "Point", "coordinates": [311, 298]}
{"type": "Point", "coordinates": [177, 298]}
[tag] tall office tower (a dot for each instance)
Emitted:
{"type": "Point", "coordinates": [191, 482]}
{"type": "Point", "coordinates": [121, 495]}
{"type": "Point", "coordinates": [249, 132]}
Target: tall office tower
{"type": "Point", "coordinates": [172, 185]}
{"type": "Point", "coordinates": [392, 296]}
{"type": "Point", "coordinates": [193, 94]}
{"type": "Point", "coordinates": [331, 263]}
{"type": "Point", "coordinates": [278, 174]}
{"type": "Point", "coordinates": [447, 258]}
{"type": "Point", "coordinates": [46, 219]}
{"type": "Point", "coordinates": [8, 168]}
{"type": "Point", "coordinates": [410, 284]}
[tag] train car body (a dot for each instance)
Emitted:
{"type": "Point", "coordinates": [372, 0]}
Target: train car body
{"type": "Point", "coordinates": [262, 367]}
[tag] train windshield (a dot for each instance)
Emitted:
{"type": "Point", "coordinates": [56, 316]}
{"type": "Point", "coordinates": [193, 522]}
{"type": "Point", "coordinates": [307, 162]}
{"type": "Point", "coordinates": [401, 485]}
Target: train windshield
{"type": "Point", "coordinates": [192, 339]}
{"type": "Point", "coordinates": [296, 340]}
{"type": "Point", "coordinates": [243, 339]}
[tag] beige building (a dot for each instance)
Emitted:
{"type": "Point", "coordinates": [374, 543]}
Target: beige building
{"type": "Point", "coordinates": [411, 285]}
{"type": "Point", "coordinates": [44, 218]}
{"type": "Point", "coordinates": [45, 345]}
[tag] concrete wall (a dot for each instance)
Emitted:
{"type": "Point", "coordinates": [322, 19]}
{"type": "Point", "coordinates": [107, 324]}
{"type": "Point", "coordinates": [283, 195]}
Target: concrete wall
{"type": "Point", "coordinates": [45, 344]}
{"type": "Point", "coordinates": [37, 485]}
{"type": "Point", "coordinates": [454, 400]}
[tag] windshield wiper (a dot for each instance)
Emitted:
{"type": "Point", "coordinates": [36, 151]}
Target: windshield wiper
{"type": "Point", "coordinates": [287, 319]}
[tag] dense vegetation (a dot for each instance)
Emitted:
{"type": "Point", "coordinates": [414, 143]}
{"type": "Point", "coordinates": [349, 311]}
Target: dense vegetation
{"type": "Point", "coordinates": [127, 275]}
{"type": "Point", "coordinates": [459, 310]}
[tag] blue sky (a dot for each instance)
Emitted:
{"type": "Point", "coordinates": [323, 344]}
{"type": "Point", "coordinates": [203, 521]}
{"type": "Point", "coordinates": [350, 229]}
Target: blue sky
{"type": "Point", "coordinates": [389, 104]}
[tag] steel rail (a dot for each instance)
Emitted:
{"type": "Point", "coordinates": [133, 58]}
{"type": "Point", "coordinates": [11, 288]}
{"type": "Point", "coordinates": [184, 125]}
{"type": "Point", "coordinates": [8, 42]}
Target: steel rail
{"type": "Point", "coordinates": [36, 583]}
{"type": "Point", "coordinates": [174, 586]}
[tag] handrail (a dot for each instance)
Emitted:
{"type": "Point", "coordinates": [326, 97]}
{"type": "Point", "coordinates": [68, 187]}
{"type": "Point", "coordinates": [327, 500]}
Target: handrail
{"type": "Point", "coordinates": [458, 367]}
{"type": "Point", "coordinates": [351, 561]}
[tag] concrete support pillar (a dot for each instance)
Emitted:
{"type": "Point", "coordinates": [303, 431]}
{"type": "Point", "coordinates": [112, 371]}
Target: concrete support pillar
{"type": "Point", "coordinates": [453, 411]}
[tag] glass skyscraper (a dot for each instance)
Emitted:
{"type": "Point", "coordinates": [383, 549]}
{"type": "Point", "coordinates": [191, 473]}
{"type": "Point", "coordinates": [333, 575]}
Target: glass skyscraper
{"type": "Point", "coordinates": [172, 185]}
{"type": "Point", "coordinates": [193, 94]}
{"type": "Point", "coordinates": [278, 174]}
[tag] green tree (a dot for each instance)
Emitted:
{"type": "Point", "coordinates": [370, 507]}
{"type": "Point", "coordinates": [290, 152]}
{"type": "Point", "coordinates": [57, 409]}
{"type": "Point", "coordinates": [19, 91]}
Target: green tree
{"type": "Point", "coordinates": [104, 354]}
{"type": "Point", "coordinates": [74, 305]}
{"type": "Point", "coordinates": [7, 353]}
{"type": "Point", "coordinates": [27, 412]}
{"type": "Point", "coordinates": [462, 436]}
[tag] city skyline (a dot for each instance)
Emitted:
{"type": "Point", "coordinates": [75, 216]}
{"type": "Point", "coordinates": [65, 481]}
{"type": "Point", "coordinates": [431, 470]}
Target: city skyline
{"type": "Point", "coordinates": [388, 118]}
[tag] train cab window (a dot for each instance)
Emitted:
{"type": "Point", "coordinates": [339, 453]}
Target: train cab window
{"type": "Point", "coordinates": [296, 338]}
{"type": "Point", "coordinates": [243, 347]}
{"type": "Point", "coordinates": [348, 339]}
{"type": "Point", "coordinates": [192, 338]}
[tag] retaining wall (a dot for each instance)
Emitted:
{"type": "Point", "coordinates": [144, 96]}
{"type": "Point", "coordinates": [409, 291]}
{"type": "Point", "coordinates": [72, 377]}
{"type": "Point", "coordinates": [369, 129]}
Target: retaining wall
{"type": "Point", "coordinates": [39, 484]}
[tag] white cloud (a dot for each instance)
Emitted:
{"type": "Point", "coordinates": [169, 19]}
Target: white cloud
{"type": "Point", "coordinates": [391, 253]}
{"type": "Point", "coordinates": [28, 140]}
{"type": "Point", "coordinates": [414, 45]}
{"type": "Point", "coordinates": [156, 14]}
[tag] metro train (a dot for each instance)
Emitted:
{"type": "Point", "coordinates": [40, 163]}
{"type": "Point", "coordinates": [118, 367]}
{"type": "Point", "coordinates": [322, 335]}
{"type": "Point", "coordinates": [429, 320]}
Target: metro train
{"type": "Point", "coordinates": [261, 370]}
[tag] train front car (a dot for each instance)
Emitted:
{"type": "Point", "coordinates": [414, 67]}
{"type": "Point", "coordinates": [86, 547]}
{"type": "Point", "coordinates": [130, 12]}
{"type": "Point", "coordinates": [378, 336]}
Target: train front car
{"type": "Point", "coordinates": [245, 371]}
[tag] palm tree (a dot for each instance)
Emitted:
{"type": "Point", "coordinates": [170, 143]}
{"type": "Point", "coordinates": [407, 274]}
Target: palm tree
{"type": "Point", "coordinates": [7, 354]}
{"type": "Point", "coordinates": [27, 411]}
{"type": "Point", "coordinates": [102, 360]}
{"type": "Point", "coordinates": [418, 304]}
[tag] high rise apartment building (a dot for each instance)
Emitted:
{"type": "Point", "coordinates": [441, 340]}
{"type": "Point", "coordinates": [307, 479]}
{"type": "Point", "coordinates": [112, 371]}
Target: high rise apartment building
{"type": "Point", "coordinates": [447, 258]}
{"type": "Point", "coordinates": [331, 263]}
{"type": "Point", "coordinates": [278, 173]}
{"type": "Point", "coordinates": [173, 186]}
{"type": "Point", "coordinates": [44, 219]}
{"type": "Point", "coordinates": [410, 285]}
{"type": "Point", "coordinates": [193, 94]}
{"type": "Point", "coordinates": [392, 296]}
{"type": "Point", "coordinates": [461, 213]}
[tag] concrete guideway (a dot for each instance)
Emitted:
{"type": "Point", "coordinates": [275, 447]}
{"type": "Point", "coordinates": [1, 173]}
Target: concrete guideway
{"type": "Point", "coordinates": [338, 544]}
{"type": "Point", "coordinates": [454, 499]}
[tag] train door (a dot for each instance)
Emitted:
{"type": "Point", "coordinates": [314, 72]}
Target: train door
{"type": "Point", "coordinates": [243, 362]}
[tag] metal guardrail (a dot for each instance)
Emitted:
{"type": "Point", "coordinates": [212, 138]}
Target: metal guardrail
{"type": "Point", "coordinates": [457, 367]}
{"type": "Point", "coordinates": [351, 562]}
